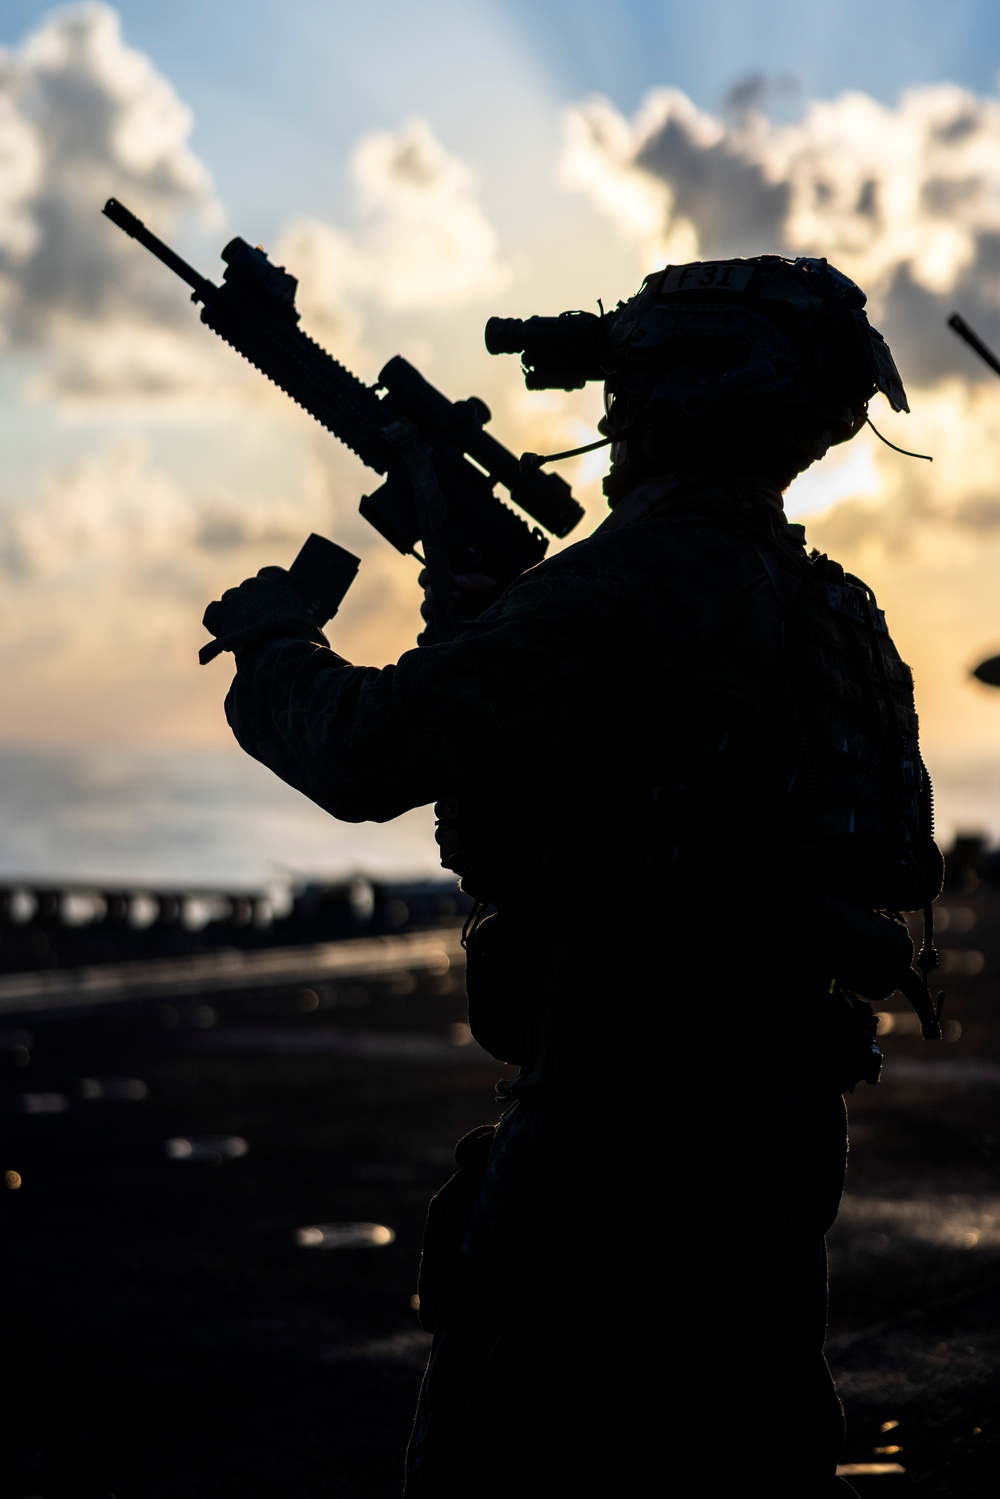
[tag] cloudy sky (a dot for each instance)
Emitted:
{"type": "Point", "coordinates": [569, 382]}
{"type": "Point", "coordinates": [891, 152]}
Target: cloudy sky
{"type": "Point", "coordinates": [420, 166]}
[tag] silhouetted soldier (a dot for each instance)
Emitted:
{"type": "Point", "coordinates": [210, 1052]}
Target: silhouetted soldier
{"type": "Point", "coordinates": [679, 769]}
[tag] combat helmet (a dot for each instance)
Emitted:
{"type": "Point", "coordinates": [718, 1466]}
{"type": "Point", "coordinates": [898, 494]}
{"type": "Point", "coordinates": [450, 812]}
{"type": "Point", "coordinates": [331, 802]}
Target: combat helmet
{"type": "Point", "coordinates": [764, 358]}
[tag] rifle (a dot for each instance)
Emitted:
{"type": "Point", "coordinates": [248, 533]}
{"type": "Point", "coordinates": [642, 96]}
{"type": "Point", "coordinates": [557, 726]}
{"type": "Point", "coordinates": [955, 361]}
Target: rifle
{"type": "Point", "coordinates": [441, 467]}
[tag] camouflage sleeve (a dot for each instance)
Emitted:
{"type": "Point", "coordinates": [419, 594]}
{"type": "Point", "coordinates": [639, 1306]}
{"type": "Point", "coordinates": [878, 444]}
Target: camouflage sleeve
{"type": "Point", "coordinates": [367, 744]}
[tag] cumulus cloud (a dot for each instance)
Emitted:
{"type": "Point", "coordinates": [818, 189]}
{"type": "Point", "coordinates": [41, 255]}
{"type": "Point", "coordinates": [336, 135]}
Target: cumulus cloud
{"type": "Point", "coordinates": [113, 520]}
{"type": "Point", "coordinates": [424, 234]}
{"type": "Point", "coordinates": [84, 117]}
{"type": "Point", "coordinates": [422, 240]}
{"type": "Point", "coordinates": [107, 565]}
{"type": "Point", "coordinates": [914, 504]}
{"type": "Point", "coordinates": [904, 198]}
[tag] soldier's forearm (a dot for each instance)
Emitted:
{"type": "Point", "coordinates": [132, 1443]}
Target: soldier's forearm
{"type": "Point", "coordinates": [329, 729]}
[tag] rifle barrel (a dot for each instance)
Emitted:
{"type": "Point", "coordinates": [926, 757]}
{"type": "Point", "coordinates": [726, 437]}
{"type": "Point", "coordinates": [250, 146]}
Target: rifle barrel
{"type": "Point", "coordinates": [963, 330]}
{"type": "Point", "coordinates": [120, 215]}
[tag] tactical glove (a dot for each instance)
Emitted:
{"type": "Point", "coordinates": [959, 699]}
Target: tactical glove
{"type": "Point", "coordinates": [471, 593]}
{"type": "Point", "coordinates": [259, 608]}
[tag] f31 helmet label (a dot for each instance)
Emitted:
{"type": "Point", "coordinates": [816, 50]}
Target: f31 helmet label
{"type": "Point", "coordinates": [708, 275]}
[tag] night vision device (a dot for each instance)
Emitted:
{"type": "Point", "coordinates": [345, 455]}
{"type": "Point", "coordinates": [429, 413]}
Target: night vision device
{"type": "Point", "coordinates": [557, 353]}
{"type": "Point", "coordinates": [694, 336]}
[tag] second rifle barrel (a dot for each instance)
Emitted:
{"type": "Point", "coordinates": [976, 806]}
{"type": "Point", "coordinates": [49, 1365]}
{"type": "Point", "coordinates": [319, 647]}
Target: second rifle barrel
{"type": "Point", "coordinates": [963, 330]}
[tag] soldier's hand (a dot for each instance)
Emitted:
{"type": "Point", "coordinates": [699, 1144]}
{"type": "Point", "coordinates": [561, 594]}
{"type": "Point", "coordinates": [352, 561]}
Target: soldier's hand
{"type": "Point", "coordinates": [264, 606]}
{"type": "Point", "coordinates": [471, 592]}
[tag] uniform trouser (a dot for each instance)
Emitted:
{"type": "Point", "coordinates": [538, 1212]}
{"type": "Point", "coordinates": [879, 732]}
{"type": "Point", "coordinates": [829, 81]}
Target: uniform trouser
{"type": "Point", "coordinates": [641, 1292]}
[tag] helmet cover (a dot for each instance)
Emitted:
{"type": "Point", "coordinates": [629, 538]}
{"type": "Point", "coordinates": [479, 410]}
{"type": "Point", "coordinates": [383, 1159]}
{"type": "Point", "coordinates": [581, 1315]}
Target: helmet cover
{"type": "Point", "coordinates": [780, 346]}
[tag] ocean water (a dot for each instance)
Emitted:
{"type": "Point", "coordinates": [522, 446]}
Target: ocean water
{"type": "Point", "coordinates": [217, 818]}
{"type": "Point", "coordinates": [181, 817]}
